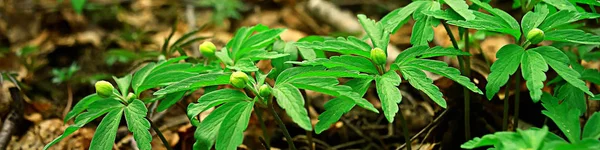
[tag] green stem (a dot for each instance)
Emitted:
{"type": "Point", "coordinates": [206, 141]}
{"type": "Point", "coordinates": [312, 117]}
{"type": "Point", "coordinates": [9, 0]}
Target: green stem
{"type": "Point", "coordinates": [517, 98]}
{"type": "Point", "coordinates": [308, 133]}
{"type": "Point", "coordinates": [465, 69]}
{"type": "Point", "coordinates": [405, 130]}
{"type": "Point", "coordinates": [282, 126]}
{"type": "Point", "coordinates": [506, 106]}
{"type": "Point", "coordinates": [160, 135]}
{"type": "Point", "coordinates": [263, 127]}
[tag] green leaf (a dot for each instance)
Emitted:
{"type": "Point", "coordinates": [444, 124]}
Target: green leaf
{"type": "Point", "coordinates": [410, 54]}
{"type": "Point", "coordinates": [507, 18]}
{"type": "Point", "coordinates": [559, 18]}
{"type": "Point", "coordinates": [375, 31]}
{"type": "Point", "coordinates": [329, 86]}
{"type": "Point", "coordinates": [565, 118]}
{"type": "Point", "coordinates": [509, 57]}
{"type": "Point", "coordinates": [591, 75]}
{"type": "Point", "coordinates": [257, 41]}
{"type": "Point", "coordinates": [534, 19]}
{"type": "Point", "coordinates": [522, 139]}
{"type": "Point", "coordinates": [290, 99]}
{"type": "Point", "coordinates": [351, 45]}
{"type": "Point", "coordinates": [389, 94]}
{"type": "Point", "coordinates": [591, 130]}
{"type": "Point", "coordinates": [81, 106]}
{"type": "Point", "coordinates": [291, 72]}
{"type": "Point", "coordinates": [158, 74]}
{"type": "Point", "coordinates": [533, 68]}
{"type": "Point", "coordinates": [447, 14]}
{"type": "Point", "coordinates": [560, 63]}
{"type": "Point", "coordinates": [279, 64]}
{"type": "Point", "coordinates": [461, 7]}
{"type": "Point", "coordinates": [419, 80]}
{"type": "Point", "coordinates": [422, 32]}
{"type": "Point", "coordinates": [441, 68]}
{"type": "Point", "coordinates": [207, 131]}
{"type": "Point", "coordinates": [395, 19]}
{"type": "Point", "coordinates": [241, 35]}
{"type": "Point", "coordinates": [106, 132]}
{"type": "Point", "coordinates": [94, 110]}
{"type": "Point", "coordinates": [213, 99]}
{"type": "Point", "coordinates": [231, 131]}
{"type": "Point", "coordinates": [335, 108]}
{"type": "Point", "coordinates": [361, 64]}
{"type": "Point", "coordinates": [135, 115]}
{"type": "Point", "coordinates": [123, 84]}
{"type": "Point", "coordinates": [223, 55]}
{"type": "Point", "coordinates": [335, 72]}
{"type": "Point", "coordinates": [196, 82]}
{"type": "Point", "coordinates": [561, 4]}
{"type": "Point", "coordinates": [573, 36]}
{"type": "Point", "coordinates": [78, 5]}
{"type": "Point", "coordinates": [485, 22]}
{"type": "Point", "coordinates": [583, 145]}
{"type": "Point", "coordinates": [169, 100]}
{"type": "Point", "coordinates": [261, 54]}
{"type": "Point", "coordinates": [572, 96]}
{"type": "Point", "coordinates": [245, 65]}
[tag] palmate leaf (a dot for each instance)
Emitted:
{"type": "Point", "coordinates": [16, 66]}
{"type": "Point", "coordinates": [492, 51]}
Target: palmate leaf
{"type": "Point", "coordinates": [591, 130]}
{"type": "Point", "coordinates": [351, 45]}
{"type": "Point", "coordinates": [509, 58]}
{"type": "Point", "coordinates": [206, 132]}
{"type": "Point", "coordinates": [231, 131]}
{"type": "Point", "coordinates": [213, 99]}
{"type": "Point", "coordinates": [279, 64]}
{"type": "Point", "coordinates": [560, 63]}
{"type": "Point", "coordinates": [419, 80]}
{"type": "Point", "coordinates": [447, 14]}
{"type": "Point", "coordinates": [81, 106]}
{"type": "Point", "coordinates": [567, 119]}
{"type": "Point", "coordinates": [558, 19]}
{"type": "Point", "coordinates": [389, 94]}
{"type": "Point", "coordinates": [532, 138]}
{"type": "Point", "coordinates": [194, 82]}
{"type": "Point", "coordinates": [123, 84]}
{"type": "Point", "coordinates": [245, 65]}
{"type": "Point", "coordinates": [572, 96]}
{"type": "Point", "coordinates": [335, 108]}
{"type": "Point", "coordinates": [329, 86]}
{"type": "Point", "coordinates": [357, 63]}
{"type": "Point", "coordinates": [395, 19]}
{"type": "Point", "coordinates": [573, 36]}
{"type": "Point", "coordinates": [441, 68]}
{"type": "Point", "coordinates": [461, 7]}
{"type": "Point", "coordinates": [375, 31]}
{"type": "Point", "coordinates": [422, 31]}
{"type": "Point", "coordinates": [500, 21]}
{"type": "Point", "coordinates": [159, 74]}
{"type": "Point", "coordinates": [170, 100]}
{"type": "Point", "coordinates": [561, 4]}
{"type": "Point", "coordinates": [257, 41]}
{"type": "Point", "coordinates": [106, 132]}
{"type": "Point", "coordinates": [135, 115]}
{"type": "Point", "coordinates": [290, 99]}
{"type": "Point", "coordinates": [94, 110]}
{"type": "Point", "coordinates": [533, 68]}
{"type": "Point", "coordinates": [241, 35]}
{"type": "Point", "coordinates": [534, 19]}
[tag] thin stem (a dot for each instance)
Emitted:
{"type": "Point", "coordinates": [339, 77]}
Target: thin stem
{"type": "Point", "coordinates": [506, 106]}
{"type": "Point", "coordinates": [308, 133]}
{"type": "Point", "coordinates": [69, 100]}
{"type": "Point", "coordinates": [405, 131]}
{"type": "Point", "coordinates": [263, 127]}
{"type": "Point", "coordinates": [517, 97]}
{"type": "Point", "coordinates": [160, 135]}
{"type": "Point", "coordinates": [282, 126]}
{"type": "Point", "coordinates": [464, 66]}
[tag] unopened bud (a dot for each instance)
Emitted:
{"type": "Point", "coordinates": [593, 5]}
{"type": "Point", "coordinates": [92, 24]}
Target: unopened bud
{"type": "Point", "coordinates": [238, 79]}
{"type": "Point", "coordinates": [208, 49]}
{"type": "Point", "coordinates": [264, 90]}
{"type": "Point", "coordinates": [104, 89]}
{"type": "Point", "coordinates": [378, 56]}
{"type": "Point", "coordinates": [535, 36]}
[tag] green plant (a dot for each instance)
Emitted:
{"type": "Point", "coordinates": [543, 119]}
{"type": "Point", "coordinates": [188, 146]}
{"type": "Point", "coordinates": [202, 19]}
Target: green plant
{"type": "Point", "coordinates": [223, 9]}
{"type": "Point", "coordinates": [566, 118]}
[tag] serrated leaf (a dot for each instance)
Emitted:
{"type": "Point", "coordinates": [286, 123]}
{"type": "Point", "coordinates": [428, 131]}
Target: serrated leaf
{"type": "Point", "coordinates": [509, 58]}
{"type": "Point", "coordinates": [94, 110]}
{"type": "Point", "coordinates": [223, 55]}
{"type": "Point", "coordinates": [135, 115]}
{"type": "Point", "coordinates": [213, 99]}
{"type": "Point", "coordinates": [561, 4]}
{"type": "Point", "coordinates": [257, 41]}
{"type": "Point", "coordinates": [349, 62]}
{"type": "Point", "coordinates": [507, 18]}
{"type": "Point", "coordinates": [591, 130]}
{"type": "Point", "coordinates": [461, 7]}
{"type": "Point", "coordinates": [422, 32]}
{"type": "Point", "coordinates": [81, 106]}
{"type": "Point", "coordinates": [559, 18]}
{"type": "Point", "coordinates": [534, 19]}
{"type": "Point", "coordinates": [245, 65]}
{"type": "Point", "coordinates": [141, 79]}
{"type": "Point", "coordinates": [447, 14]}
{"type": "Point", "coordinates": [389, 94]}
{"type": "Point", "coordinates": [169, 100]}
{"type": "Point", "coordinates": [329, 86]}
{"type": "Point", "coordinates": [241, 35]}
{"type": "Point", "coordinates": [261, 54]}
{"type": "Point", "coordinates": [419, 80]}
{"type": "Point", "coordinates": [351, 45]}
{"type": "Point", "coordinates": [533, 68]}
{"type": "Point", "coordinates": [106, 132]}
{"type": "Point", "coordinates": [206, 132]}
{"type": "Point", "coordinates": [290, 99]}
{"type": "Point", "coordinates": [591, 75]}
{"type": "Point", "coordinates": [567, 119]}
{"type": "Point", "coordinates": [572, 96]}
{"type": "Point", "coordinates": [291, 72]}
{"type": "Point", "coordinates": [123, 84]}
{"type": "Point", "coordinates": [560, 63]}
{"type": "Point", "coordinates": [231, 131]}
{"type": "Point", "coordinates": [279, 64]}
{"type": "Point", "coordinates": [409, 54]}
{"type": "Point", "coordinates": [375, 30]}
{"type": "Point", "coordinates": [441, 68]}
{"type": "Point", "coordinates": [573, 36]}
{"type": "Point", "coordinates": [586, 144]}
{"type": "Point", "coordinates": [395, 19]}
{"type": "Point", "coordinates": [522, 139]}
{"type": "Point", "coordinates": [196, 82]}
{"type": "Point", "coordinates": [335, 108]}
{"type": "Point", "coordinates": [485, 22]}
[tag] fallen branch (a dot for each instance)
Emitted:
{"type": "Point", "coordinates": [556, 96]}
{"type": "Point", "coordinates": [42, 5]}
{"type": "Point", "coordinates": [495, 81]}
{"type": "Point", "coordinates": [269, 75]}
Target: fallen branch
{"type": "Point", "coordinates": [14, 118]}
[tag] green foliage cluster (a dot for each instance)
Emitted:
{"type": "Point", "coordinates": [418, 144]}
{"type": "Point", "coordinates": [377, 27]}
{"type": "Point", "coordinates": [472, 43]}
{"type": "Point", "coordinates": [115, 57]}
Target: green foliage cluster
{"type": "Point", "coordinates": [362, 64]}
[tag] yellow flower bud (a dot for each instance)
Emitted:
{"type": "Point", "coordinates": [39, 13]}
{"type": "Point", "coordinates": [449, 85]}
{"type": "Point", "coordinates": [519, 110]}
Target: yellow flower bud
{"type": "Point", "coordinates": [238, 79]}
{"type": "Point", "coordinates": [535, 36]}
{"type": "Point", "coordinates": [378, 56]}
{"type": "Point", "coordinates": [104, 89]}
{"type": "Point", "coordinates": [208, 49]}
{"type": "Point", "coordinates": [264, 90]}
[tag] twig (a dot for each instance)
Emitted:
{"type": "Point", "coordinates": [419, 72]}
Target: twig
{"type": "Point", "coordinates": [13, 119]}
{"type": "Point", "coordinates": [160, 135]}
{"type": "Point", "coordinates": [263, 127]}
{"type": "Point", "coordinates": [69, 100]}
{"type": "Point", "coordinates": [348, 144]}
{"type": "Point", "coordinates": [302, 138]}
{"type": "Point", "coordinates": [517, 98]}
{"type": "Point", "coordinates": [426, 127]}
{"type": "Point", "coordinates": [405, 131]}
{"type": "Point", "coordinates": [360, 133]}
{"type": "Point", "coordinates": [282, 126]}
